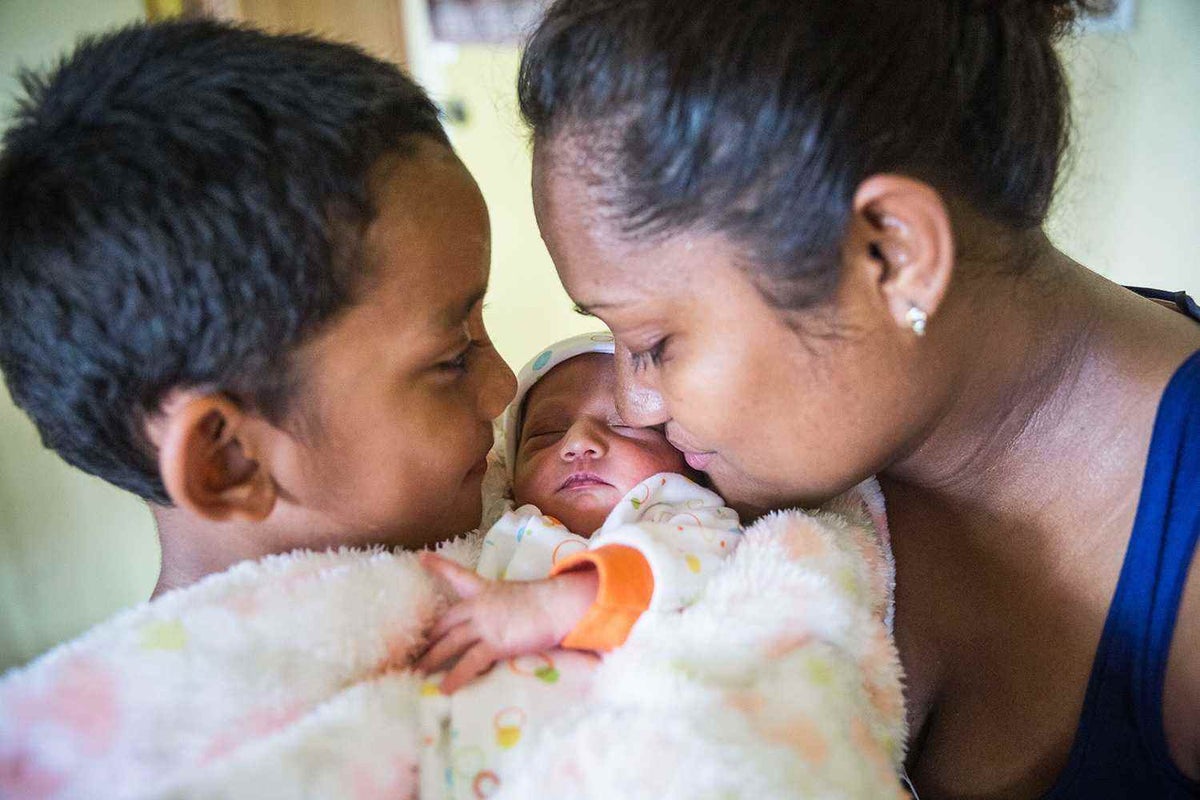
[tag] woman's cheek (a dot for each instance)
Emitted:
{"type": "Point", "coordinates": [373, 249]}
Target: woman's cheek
{"type": "Point", "coordinates": [694, 404]}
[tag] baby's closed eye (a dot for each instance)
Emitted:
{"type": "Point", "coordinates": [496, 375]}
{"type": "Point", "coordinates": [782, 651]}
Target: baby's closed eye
{"type": "Point", "coordinates": [545, 434]}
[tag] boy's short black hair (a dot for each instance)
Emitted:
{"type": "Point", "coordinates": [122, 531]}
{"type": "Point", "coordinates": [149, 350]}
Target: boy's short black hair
{"type": "Point", "coordinates": [180, 206]}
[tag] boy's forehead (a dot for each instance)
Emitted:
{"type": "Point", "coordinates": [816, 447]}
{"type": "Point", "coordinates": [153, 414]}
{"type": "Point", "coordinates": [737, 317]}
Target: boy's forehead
{"type": "Point", "coordinates": [426, 262]}
{"type": "Point", "coordinates": [430, 237]}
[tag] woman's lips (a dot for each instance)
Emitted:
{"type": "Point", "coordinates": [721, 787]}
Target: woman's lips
{"type": "Point", "coordinates": [582, 480]}
{"type": "Point", "coordinates": [696, 459]}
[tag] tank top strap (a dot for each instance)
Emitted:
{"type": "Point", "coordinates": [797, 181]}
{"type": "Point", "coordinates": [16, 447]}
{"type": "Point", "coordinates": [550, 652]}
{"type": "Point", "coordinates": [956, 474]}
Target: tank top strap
{"type": "Point", "coordinates": [1165, 537]}
{"type": "Point", "coordinates": [1181, 300]}
{"type": "Point", "coordinates": [1120, 748]}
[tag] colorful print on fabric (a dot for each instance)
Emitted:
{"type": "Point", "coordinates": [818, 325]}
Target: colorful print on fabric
{"type": "Point", "coordinates": [166, 635]}
{"type": "Point", "coordinates": [508, 723]}
{"type": "Point", "coordinates": [566, 548]}
{"type": "Point", "coordinates": [485, 784]}
{"type": "Point", "coordinates": [540, 666]}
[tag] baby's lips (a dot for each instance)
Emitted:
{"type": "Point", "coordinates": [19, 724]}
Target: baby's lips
{"type": "Point", "coordinates": [582, 479]}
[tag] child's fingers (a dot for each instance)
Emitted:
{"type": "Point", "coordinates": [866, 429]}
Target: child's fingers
{"type": "Point", "coordinates": [455, 616]}
{"type": "Point", "coordinates": [478, 660]}
{"type": "Point", "coordinates": [464, 582]}
{"type": "Point", "coordinates": [446, 649]}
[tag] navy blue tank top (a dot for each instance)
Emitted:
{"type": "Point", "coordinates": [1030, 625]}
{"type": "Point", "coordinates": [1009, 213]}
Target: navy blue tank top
{"type": "Point", "coordinates": [1120, 750]}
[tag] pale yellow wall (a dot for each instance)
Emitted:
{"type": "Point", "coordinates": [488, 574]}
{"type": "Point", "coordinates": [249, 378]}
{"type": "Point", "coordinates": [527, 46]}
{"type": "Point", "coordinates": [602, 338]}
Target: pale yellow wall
{"type": "Point", "coordinates": [527, 307]}
{"type": "Point", "coordinates": [1132, 196]}
{"type": "Point", "coordinates": [72, 548]}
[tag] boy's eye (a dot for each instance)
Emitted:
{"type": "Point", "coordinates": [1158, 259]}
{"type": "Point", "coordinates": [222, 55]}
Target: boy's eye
{"type": "Point", "coordinates": [459, 363]}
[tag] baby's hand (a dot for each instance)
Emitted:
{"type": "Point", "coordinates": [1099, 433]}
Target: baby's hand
{"type": "Point", "coordinates": [494, 620]}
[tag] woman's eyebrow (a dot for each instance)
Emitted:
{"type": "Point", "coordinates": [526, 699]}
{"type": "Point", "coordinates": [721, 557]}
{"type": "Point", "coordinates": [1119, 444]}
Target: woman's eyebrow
{"type": "Point", "coordinates": [590, 309]}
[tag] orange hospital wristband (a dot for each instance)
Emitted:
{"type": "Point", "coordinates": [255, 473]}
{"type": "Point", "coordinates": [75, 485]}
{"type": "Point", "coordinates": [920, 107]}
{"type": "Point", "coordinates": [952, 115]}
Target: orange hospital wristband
{"type": "Point", "coordinates": [625, 587]}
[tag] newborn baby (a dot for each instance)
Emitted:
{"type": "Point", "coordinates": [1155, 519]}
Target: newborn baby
{"type": "Point", "coordinates": [605, 526]}
{"type": "Point", "coordinates": [607, 531]}
{"type": "Point", "coordinates": [604, 529]}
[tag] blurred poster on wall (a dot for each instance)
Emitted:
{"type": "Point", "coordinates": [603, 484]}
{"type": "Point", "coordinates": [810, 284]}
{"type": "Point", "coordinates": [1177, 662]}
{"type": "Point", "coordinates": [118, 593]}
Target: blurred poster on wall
{"type": "Point", "coordinates": [487, 21]}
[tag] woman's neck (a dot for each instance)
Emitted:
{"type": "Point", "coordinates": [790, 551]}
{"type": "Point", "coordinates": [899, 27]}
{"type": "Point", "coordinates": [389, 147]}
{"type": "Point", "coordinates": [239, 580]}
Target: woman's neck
{"type": "Point", "coordinates": [1058, 375]}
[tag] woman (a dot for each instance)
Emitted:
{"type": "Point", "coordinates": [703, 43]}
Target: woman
{"type": "Point", "coordinates": [815, 228]}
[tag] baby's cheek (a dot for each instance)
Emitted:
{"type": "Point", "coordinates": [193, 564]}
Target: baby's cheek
{"type": "Point", "coordinates": [669, 459]}
{"type": "Point", "coordinates": [655, 457]}
{"type": "Point", "coordinates": [530, 482]}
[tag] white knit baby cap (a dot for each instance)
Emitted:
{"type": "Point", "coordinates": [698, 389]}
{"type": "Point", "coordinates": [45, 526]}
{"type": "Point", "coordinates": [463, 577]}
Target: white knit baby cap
{"type": "Point", "coordinates": [536, 369]}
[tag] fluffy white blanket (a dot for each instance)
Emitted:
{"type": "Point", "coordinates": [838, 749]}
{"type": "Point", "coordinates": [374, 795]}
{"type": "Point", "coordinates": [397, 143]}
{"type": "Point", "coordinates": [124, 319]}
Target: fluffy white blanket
{"type": "Point", "coordinates": [287, 678]}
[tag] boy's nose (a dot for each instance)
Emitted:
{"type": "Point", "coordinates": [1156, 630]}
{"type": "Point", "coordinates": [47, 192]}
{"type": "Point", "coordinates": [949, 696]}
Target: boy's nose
{"type": "Point", "coordinates": [500, 386]}
{"type": "Point", "coordinates": [583, 440]}
{"type": "Point", "coordinates": [638, 401]}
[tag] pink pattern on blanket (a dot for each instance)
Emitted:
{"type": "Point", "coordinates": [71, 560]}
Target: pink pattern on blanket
{"type": "Point", "coordinates": [400, 785]}
{"type": "Point", "coordinates": [258, 724]}
{"type": "Point", "coordinates": [20, 776]}
{"type": "Point", "coordinates": [81, 697]}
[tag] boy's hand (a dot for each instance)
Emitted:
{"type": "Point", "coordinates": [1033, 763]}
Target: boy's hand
{"type": "Point", "coordinates": [494, 620]}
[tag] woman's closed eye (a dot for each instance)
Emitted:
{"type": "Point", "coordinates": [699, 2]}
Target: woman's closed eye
{"type": "Point", "coordinates": [628, 431]}
{"type": "Point", "coordinates": [649, 356]}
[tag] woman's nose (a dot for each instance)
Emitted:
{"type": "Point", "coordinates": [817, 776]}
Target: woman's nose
{"type": "Point", "coordinates": [583, 439]}
{"type": "Point", "coordinates": [638, 402]}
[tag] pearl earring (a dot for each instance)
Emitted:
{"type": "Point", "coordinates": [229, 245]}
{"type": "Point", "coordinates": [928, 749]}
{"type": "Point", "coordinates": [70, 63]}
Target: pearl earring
{"type": "Point", "coordinates": [916, 319]}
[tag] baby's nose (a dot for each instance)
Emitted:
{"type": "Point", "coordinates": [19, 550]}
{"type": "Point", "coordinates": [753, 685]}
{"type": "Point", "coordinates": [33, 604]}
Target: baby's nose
{"type": "Point", "coordinates": [583, 440]}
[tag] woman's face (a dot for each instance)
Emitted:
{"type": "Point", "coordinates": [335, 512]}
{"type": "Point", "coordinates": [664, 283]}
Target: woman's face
{"type": "Point", "coordinates": [776, 407]}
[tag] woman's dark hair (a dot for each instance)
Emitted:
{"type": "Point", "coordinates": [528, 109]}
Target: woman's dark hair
{"type": "Point", "coordinates": [759, 119]}
{"type": "Point", "coordinates": [181, 206]}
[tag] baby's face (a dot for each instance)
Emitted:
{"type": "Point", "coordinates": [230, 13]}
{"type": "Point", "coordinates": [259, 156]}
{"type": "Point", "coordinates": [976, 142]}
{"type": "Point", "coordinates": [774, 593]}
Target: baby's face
{"type": "Point", "coordinates": [576, 458]}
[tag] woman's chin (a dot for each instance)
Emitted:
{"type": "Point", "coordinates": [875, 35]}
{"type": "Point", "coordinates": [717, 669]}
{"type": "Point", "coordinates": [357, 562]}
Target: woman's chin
{"type": "Point", "coordinates": [748, 496]}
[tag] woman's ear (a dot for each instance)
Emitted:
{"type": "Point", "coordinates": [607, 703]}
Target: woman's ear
{"type": "Point", "coordinates": [902, 230]}
{"type": "Point", "coordinates": [207, 459]}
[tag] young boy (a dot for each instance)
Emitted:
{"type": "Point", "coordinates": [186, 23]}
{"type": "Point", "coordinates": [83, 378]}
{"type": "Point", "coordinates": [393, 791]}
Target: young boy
{"type": "Point", "coordinates": [241, 276]}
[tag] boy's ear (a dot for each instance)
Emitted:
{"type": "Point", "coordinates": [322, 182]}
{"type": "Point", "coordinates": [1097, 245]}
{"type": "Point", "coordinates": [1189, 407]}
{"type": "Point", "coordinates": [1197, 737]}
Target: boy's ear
{"type": "Point", "coordinates": [903, 232]}
{"type": "Point", "coordinates": [207, 460]}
